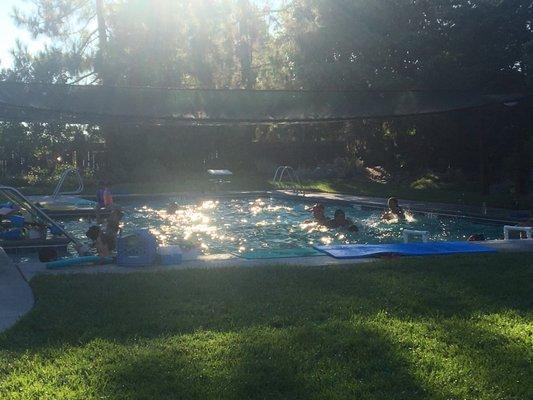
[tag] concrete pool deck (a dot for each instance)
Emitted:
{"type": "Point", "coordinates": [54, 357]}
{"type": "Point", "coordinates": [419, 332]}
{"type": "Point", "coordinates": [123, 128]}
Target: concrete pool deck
{"type": "Point", "coordinates": [16, 297]}
{"type": "Point", "coordinates": [31, 269]}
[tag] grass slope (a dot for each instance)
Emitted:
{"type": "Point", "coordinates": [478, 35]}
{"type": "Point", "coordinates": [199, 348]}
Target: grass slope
{"type": "Point", "coordinates": [466, 193]}
{"type": "Point", "coordinates": [428, 328]}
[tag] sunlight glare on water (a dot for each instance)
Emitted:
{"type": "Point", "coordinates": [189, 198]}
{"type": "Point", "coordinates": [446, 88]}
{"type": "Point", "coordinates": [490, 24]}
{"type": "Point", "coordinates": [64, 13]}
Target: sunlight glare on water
{"type": "Point", "coordinates": [244, 225]}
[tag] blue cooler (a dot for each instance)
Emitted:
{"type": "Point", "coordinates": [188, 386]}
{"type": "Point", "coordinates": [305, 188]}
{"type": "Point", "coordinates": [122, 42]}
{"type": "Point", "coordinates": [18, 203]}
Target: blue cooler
{"type": "Point", "coordinates": [137, 250]}
{"type": "Point", "coordinates": [17, 221]}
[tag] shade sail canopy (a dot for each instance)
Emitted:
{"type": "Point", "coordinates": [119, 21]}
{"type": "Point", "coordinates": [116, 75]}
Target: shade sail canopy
{"type": "Point", "coordinates": [102, 104]}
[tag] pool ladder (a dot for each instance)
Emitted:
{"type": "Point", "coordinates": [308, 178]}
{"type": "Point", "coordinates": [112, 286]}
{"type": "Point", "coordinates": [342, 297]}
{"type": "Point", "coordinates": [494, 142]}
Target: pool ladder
{"type": "Point", "coordinates": [293, 180]}
{"type": "Point", "coordinates": [67, 172]}
{"type": "Point", "coordinates": [14, 196]}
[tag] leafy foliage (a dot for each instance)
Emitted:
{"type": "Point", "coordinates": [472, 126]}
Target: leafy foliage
{"type": "Point", "coordinates": [479, 45]}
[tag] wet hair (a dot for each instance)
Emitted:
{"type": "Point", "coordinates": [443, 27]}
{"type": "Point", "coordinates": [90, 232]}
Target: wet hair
{"type": "Point", "coordinates": [393, 200]}
{"type": "Point", "coordinates": [172, 208]}
{"type": "Point", "coordinates": [47, 254]}
{"type": "Point", "coordinates": [318, 207]}
{"type": "Point", "coordinates": [339, 213]}
{"type": "Point", "coordinates": [476, 237]}
{"type": "Point", "coordinates": [93, 232]}
{"type": "Point", "coordinates": [353, 228]}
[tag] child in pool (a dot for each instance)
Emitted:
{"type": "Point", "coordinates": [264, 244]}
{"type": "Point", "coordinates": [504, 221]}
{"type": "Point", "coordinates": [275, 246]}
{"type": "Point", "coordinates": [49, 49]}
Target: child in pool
{"type": "Point", "coordinates": [105, 242]}
{"type": "Point", "coordinates": [318, 212]}
{"type": "Point", "coordinates": [104, 200]}
{"type": "Point", "coordinates": [172, 208]}
{"type": "Point", "coordinates": [340, 221]}
{"type": "Point", "coordinates": [394, 211]}
{"type": "Point", "coordinates": [104, 197]}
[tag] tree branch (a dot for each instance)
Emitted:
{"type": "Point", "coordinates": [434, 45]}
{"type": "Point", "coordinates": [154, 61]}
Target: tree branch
{"type": "Point", "coordinates": [82, 78]}
{"type": "Point", "coordinates": [87, 42]}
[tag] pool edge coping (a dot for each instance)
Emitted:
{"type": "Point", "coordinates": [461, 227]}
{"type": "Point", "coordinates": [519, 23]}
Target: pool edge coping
{"type": "Point", "coordinates": [228, 260]}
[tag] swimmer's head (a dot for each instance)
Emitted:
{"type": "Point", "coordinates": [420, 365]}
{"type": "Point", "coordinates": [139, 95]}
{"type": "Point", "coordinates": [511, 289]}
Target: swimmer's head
{"type": "Point", "coordinates": [93, 232]}
{"type": "Point", "coordinates": [339, 214]}
{"type": "Point", "coordinates": [172, 208]}
{"type": "Point", "coordinates": [393, 203]}
{"type": "Point", "coordinates": [318, 210]}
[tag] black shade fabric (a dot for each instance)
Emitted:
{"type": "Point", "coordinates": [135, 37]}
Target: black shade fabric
{"type": "Point", "coordinates": [101, 104]}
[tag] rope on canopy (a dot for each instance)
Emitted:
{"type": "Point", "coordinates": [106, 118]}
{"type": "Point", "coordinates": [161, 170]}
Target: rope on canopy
{"type": "Point", "coordinates": [95, 104]}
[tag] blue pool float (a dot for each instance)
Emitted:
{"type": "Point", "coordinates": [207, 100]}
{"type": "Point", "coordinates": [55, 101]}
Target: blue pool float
{"type": "Point", "coordinates": [17, 221]}
{"type": "Point", "coordinates": [13, 234]}
{"type": "Point", "coordinates": [69, 262]}
{"type": "Point", "coordinates": [347, 251]}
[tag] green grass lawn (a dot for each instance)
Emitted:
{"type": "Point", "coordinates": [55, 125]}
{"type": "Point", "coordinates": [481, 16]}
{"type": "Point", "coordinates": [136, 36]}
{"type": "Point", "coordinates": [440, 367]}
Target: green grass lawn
{"type": "Point", "coordinates": [428, 328]}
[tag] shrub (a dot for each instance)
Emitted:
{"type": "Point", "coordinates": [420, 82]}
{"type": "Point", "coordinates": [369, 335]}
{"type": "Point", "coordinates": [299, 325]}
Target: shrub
{"type": "Point", "coordinates": [428, 181]}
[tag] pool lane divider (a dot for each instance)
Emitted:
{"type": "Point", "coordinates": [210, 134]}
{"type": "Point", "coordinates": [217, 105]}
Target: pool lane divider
{"type": "Point", "coordinates": [403, 249]}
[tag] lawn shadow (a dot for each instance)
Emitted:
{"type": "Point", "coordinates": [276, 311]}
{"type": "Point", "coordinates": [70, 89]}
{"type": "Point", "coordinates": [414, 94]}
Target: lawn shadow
{"type": "Point", "coordinates": [279, 332]}
{"type": "Point", "coordinates": [328, 361]}
{"type": "Point", "coordinates": [75, 309]}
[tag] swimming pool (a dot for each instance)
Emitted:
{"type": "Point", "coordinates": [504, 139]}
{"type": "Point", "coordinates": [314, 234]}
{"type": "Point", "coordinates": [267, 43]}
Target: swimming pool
{"type": "Point", "coordinates": [266, 224]}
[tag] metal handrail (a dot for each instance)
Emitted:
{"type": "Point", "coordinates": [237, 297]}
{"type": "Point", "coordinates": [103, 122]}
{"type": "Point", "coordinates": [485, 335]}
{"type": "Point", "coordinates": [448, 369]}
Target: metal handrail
{"type": "Point", "coordinates": [292, 177]}
{"type": "Point", "coordinates": [281, 167]}
{"type": "Point", "coordinates": [64, 175]}
{"type": "Point", "coordinates": [18, 198]}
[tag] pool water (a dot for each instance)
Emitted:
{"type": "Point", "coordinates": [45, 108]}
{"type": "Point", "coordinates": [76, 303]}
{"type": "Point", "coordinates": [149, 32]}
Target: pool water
{"type": "Point", "coordinates": [272, 224]}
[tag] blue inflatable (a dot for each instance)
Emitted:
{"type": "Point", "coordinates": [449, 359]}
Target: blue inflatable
{"type": "Point", "coordinates": [17, 221]}
{"type": "Point", "coordinates": [347, 251]}
{"type": "Point", "coordinates": [13, 234]}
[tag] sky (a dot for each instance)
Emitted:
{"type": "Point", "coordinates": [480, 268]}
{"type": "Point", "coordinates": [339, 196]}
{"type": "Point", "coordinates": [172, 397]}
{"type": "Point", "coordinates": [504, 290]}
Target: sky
{"type": "Point", "coordinates": [9, 32]}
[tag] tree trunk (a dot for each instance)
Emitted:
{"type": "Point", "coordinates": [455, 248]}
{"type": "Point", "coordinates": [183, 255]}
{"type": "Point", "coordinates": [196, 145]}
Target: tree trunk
{"type": "Point", "coordinates": [102, 41]}
{"type": "Point", "coordinates": [484, 176]}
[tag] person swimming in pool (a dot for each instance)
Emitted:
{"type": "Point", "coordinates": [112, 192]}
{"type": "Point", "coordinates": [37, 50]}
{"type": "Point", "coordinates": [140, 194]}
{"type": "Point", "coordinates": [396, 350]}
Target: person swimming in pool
{"type": "Point", "coordinates": [340, 221]}
{"type": "Point", "coordinates": [105, 241]}
{"type": "Point", "coordinates": [319, 214]}
{"type": "Point", "coordinates": [394, 211]}
{"type": "Point", "coordinates": [172, 208]}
